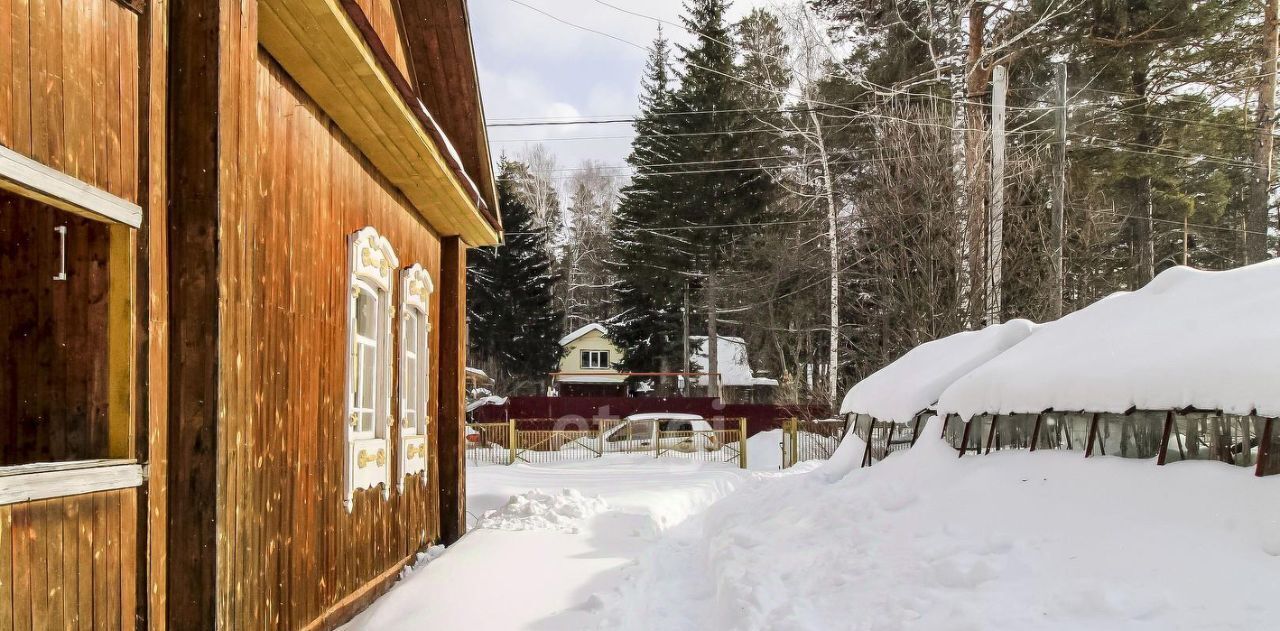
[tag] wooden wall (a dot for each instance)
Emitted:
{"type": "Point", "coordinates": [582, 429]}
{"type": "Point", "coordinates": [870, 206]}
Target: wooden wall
{"type": "Point", "coordinates": [292, 551]}
{"type": "Point", "coordinates": [53, 367]}
{"type": "Point", "coordinates": [69, 88]}
{"type": "Point", "coordinates": [69, 563]}
{"type": "Point", "coordinates": [386, 19]}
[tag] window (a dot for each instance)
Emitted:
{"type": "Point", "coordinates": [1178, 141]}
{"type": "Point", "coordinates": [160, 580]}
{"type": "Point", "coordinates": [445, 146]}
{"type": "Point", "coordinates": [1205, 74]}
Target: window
{"type": "Point", "coordinates": [370, 314]}
{"type": "Point", "coordinates": [415, 362]}
{"type": "Point", "coordinates": [595, 359]}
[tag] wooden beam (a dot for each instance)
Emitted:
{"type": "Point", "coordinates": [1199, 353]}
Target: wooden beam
{"type": "Point", "coordinates": [34, 180]}
{"type": "Point", "coordinates": [1035, 432]}
{"type": "Point", "coordinates": [29, 483]}
{"type": "Point", "coordinates": [317, 43]}
{"type": "Point", "coordinates": [1164, 439]}
{"type": "Point", "coordinates": [212, 61]}
{"type": "Point", "coordinates": [452, 375]}
{"type": "Point", "coordinates": [1093, 437]}
{"type": "Point", "coordinates": [1262, 466]}
{"type": "Point", "coordinates": [121, 351]}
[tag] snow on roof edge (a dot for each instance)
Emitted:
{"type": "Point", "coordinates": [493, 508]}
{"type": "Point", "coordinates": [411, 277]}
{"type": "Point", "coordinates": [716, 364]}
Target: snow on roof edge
{"type": "Point", "coordinates": [581, 331]}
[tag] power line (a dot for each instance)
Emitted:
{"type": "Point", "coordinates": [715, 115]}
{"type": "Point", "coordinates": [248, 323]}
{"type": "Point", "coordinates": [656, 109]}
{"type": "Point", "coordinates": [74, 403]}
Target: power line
{"type": "Point", "coordinates": [697, 227]}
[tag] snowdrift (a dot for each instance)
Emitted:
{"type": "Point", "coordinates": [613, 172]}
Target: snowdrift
{"type": "Point", "coordinates": [914, 382]}
{"type": "Point", "coordinates": [1189, 338]}
{"type": "Point", "coordinates": [1017, 541]}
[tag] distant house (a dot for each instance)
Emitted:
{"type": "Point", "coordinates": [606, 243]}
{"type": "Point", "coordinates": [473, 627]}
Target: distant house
{"type": "Point", "coordinates": [738, 382]}
{"type": "Point", "coordinates": [587, 367]}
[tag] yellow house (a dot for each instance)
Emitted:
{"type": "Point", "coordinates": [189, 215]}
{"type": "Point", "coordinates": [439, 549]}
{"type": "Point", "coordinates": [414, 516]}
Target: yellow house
{"type": "Point", "coordinates": [587, 367]}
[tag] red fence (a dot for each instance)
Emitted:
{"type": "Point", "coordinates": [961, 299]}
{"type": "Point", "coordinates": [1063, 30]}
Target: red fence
{"type": "Point", "coordinates": [760, 417]}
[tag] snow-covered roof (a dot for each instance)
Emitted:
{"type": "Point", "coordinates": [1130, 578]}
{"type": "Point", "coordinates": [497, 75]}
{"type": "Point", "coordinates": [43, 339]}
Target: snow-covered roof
{"type": "Point", "coordinates": [594, 326]}
{"type": "Point", "coordinates": [1189, 338]}
{"type": "Point", "coordinates": [734, 368]}
{"type": "Point", "coordinates": [914, 381]}
{"type": "Point", "coordinates": [663, 416]}
{"type": "Point", "coordinates": [483, 401]}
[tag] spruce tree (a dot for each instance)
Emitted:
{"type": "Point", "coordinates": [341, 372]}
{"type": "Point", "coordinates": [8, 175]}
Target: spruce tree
{"type": "Point", "coordinates": [514, 324]}
{"type": "Point", "coordinates": [646, 295]}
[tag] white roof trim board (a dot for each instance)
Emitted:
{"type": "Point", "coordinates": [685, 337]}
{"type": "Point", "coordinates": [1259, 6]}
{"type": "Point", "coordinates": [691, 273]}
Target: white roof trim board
{"type": "Point", "coordinates": [594, 326]}
{"type": "Point", "coordinates": [914, 381]}
{"type": "Point", "coordinates": [1188, 339]}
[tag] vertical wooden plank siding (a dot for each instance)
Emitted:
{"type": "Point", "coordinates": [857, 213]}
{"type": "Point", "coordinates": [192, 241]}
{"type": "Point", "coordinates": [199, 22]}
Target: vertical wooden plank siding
{"type": "Point", "coordinates": [68, 88]}
{"type": "Point", "coordinates": [385, 17]}
{"type": "Point", "coordinates": [291, 556]}
{"type": "Point", "coordinates": [452, 378]}
{"type": "Point", "coordinates": [48, 581]}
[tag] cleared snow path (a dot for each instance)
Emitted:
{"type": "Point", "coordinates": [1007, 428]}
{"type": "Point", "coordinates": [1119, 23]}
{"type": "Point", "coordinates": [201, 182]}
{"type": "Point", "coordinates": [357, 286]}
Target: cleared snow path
{"type": "Point", "coordinates": [558, 536]}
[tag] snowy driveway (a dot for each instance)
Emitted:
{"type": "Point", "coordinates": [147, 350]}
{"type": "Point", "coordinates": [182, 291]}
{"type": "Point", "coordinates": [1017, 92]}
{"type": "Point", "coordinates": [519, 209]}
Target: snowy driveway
{"type": "Point", "coordinates": [529, 569]}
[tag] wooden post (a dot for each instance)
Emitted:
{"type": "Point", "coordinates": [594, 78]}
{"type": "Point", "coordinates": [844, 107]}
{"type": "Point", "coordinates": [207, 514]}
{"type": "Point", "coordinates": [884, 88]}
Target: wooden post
{"type": "Point", "coordinates": [512, 437]}
{"type": "Point", "coordinates": [1035, 432]}
{"type": "Point", "coordinates": [1260, 468]}
{"type": "Point", "coordinates": [964, 438]}
{"type": "Point", "coordinates": [211, 157]}
{"type": "Point", "coordinates": [991, 435]}
{"type": "Point", "coordinates": [1164, 439]}
{"type": "Point", "coordinates": [742, 442]}
{"type": "Point", "coordinates": [795, 440]}
{"type": "Point", "coordinates": [452, 384]}
{"type": "Point", "coordinates": [871, 432]}
{"type": "Point", "coordinates": [1093, 436]}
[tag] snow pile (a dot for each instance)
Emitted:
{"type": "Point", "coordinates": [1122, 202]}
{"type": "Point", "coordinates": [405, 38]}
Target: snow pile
{"type": "Point", "coordinates": [764, 451]}
{"type": "Point", "coordinates": [426, 556]}
{"type": "Point", "coordinates": [1207, 340]}
{"type": "Point", "coordinates": [1014, 541]}
{"type": "Point", "coordinates": [913, 383]}
{"type": "Point", "coordinates": [536, 510]}
{"type": "Point", "coordinates": [731, 359]}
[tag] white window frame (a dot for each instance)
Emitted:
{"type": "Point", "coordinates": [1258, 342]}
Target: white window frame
{"type": "Point", "coordinates": [370, 262]}
{"type": "Point", "coordinates": [583, 354]}
{"type": "Point", "coordinates": [416, 288]}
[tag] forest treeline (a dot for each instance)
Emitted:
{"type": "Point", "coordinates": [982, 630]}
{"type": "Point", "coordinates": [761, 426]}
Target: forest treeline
{"type": "Point", "coordinates": [816, 178]}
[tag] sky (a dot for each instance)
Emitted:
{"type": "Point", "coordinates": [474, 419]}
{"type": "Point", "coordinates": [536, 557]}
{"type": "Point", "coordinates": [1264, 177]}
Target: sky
{"type": "Point", "coordinates": [534, 68]}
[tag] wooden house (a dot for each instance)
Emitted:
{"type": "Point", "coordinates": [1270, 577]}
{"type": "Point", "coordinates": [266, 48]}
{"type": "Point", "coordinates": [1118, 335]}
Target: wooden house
{"type": "Point", "coordinates": [588, 365]}
{"type": "Point", "coordinates": [232, 305]}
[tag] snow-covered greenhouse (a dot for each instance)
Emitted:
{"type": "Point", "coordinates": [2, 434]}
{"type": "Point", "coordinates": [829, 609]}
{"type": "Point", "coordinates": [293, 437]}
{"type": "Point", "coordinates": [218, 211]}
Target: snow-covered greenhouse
{"type": "Point", "coordinates": [888, 409]}
{"type": "Point", "coordinates": [1182, 369]}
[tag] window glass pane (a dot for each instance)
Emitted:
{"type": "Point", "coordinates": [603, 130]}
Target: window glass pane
{"type": "Point", "coordinates": [368, 376]}
{"type": "Point", "coordinates": [366, 314]}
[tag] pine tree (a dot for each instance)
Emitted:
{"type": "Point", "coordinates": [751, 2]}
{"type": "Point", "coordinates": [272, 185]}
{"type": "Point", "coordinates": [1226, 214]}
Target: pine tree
{"type": "Point", "coordinates": [514, 325]}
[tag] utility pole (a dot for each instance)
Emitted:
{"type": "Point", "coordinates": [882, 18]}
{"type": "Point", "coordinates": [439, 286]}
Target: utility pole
{"type": "Point", "coordinates": [685, 390]}
{"type": "Point", "coordinates": [713, 341]}
{"type": "Point", "coordinates": [1265, 121]}
{"type": "Point", "coordinates": [999, 88]}
{"type": "Point", "coordinates": [1060, 193]}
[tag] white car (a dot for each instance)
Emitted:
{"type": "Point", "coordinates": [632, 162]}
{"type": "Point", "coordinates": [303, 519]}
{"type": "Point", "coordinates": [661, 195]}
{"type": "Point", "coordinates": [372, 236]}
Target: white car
{"type": "Point", "coordinates": [679, 432]}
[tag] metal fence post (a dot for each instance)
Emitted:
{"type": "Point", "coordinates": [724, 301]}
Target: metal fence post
{"type": "Point", "coordinates": [511, 441]}
{"type": "Point", "coordinates": [742, 443]}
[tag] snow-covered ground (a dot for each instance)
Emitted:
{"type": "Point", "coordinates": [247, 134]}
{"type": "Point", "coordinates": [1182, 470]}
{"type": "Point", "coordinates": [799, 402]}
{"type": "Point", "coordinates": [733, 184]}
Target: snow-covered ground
{"type": "Point", "coordinates": [923, 540]}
